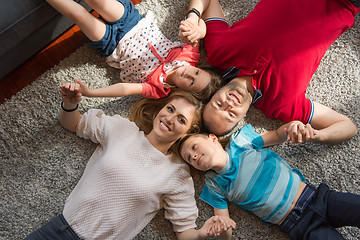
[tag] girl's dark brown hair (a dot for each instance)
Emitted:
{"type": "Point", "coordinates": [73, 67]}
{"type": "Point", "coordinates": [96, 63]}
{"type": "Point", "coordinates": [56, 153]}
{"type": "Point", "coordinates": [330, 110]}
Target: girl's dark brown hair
{"type": "Point", "coordinates": [212, 87]}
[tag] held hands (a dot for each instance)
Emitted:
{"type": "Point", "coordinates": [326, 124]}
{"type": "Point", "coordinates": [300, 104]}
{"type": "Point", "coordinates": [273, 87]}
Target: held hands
{"type": "Point", "coordinates": [297, 132]}
{"type": "Point", "coordinates": [192, 30]}
{"type": "Point", "coordinates": [71, 93]}
{"type": "Point", "coordinates": [216, 225]}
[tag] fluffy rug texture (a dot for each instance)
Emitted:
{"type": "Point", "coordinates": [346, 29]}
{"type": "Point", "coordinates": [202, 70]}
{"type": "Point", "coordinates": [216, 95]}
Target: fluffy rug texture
{"type": "Point", "coordinates": [40, 162]}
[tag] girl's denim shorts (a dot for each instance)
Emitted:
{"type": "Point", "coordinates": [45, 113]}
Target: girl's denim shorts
{"type": "Point", "coordinates": [115, 31]}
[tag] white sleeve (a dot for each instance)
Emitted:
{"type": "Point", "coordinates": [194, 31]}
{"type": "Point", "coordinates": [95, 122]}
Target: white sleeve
{"type": "Point", "coordinates": [180, 206]}
{"type": "Point", "coordinates": [91, 125]}
{"type": "Point", "coordinates": [95, 125]}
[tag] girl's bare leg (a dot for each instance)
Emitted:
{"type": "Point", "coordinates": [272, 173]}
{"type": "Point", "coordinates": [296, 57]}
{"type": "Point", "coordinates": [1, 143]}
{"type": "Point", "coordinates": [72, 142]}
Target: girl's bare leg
{"type": "Point", "coordinates": [93, 27]}
{"type": "Point", "coordinates": [110, 10]}
{"type": "Point", "coordinates": [213, 10]}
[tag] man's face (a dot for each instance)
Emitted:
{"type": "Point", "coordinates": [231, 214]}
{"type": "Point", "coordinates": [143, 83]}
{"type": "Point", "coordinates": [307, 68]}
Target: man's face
{"type": "Point", "coordinates": [226, 108]}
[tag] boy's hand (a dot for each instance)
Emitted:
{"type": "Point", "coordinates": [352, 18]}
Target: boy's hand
{"type": "Point", "coordinates": [216, 225]}
{"type": "Point", "coordinates": [297, 132]}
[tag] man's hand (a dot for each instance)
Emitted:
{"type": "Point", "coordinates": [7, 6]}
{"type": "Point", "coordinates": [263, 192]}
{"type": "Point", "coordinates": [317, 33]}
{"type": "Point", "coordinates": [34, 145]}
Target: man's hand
{"type": "Point", "coordinates": [192, 30]}
{"type": "Point", "coordinates": [297, 132]}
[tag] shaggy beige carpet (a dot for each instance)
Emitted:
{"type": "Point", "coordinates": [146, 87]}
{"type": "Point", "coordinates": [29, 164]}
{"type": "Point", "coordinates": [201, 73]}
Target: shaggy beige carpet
{"type": "Point", "coordinates": [40, 162]}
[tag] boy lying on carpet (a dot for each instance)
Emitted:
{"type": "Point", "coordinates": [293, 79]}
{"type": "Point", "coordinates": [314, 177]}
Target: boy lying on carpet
{"type": "Point", "coordinates": [260, 181]}
{"type": "Point", "coordinates": [149, 63]}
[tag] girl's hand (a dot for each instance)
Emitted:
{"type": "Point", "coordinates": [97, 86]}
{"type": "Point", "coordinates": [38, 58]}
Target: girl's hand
{"type": "Point", "coordinates": [83, 89]}
{"type": "Point", "coordinates": [190, 32]}
{"type": "Point", "coordinates": [70, 93]}
{"type": "Point", "coordinates": [297, 132]}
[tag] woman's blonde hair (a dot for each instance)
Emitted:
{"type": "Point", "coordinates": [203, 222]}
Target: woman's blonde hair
{"type": "Point", "coordinates": [145, 111]}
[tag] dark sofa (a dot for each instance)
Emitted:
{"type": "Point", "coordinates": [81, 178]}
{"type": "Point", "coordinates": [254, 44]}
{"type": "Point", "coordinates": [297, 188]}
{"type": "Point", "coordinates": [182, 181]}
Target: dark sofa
{"type": "Point", "coordinates": [26, 27]}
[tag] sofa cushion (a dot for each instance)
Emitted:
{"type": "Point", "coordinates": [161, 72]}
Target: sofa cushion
{"type": "Point", "coordinates": [25, 28]}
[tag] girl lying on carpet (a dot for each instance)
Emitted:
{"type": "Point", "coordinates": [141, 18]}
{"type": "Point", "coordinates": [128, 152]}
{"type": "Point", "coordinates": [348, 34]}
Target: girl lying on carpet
{"type": "Point", "coordinates": [149, 63]}
{"type": "Point", "coordinates": [132, 173]}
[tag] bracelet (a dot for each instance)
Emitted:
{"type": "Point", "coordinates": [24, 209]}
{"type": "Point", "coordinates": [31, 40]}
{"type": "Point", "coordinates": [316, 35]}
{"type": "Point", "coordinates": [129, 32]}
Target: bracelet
{"type": "Point", "coordinates": [194, 10]}
{"type": "Point", "coordinates": [67, 110]}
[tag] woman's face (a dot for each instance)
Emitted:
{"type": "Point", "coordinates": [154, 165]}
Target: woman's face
{"type": "Point", "coordinates": [173, 121]}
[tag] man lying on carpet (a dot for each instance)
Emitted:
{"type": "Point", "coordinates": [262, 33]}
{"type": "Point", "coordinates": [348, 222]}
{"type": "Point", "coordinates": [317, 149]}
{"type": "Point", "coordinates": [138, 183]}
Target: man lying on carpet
{"type": "Point", "coordinates": [268, 60]}
{"type": "Point", "coordinates": [149, 63]}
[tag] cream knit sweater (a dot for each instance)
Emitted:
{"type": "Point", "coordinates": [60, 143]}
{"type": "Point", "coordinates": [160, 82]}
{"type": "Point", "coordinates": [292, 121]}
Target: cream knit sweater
{"type": "Point", "coordinates": [125, 183]}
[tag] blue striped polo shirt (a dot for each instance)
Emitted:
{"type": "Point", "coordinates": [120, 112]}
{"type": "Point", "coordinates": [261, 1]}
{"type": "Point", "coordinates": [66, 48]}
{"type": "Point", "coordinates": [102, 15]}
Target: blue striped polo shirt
{"type": "Point", "coordinates": [255, 179]}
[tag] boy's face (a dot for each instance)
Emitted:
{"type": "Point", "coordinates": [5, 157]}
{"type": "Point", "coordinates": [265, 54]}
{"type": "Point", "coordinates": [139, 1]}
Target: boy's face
{"type": "Point", "coordinates": [200, 151]}
{"type": "Point", "coordinates": [191, 78]}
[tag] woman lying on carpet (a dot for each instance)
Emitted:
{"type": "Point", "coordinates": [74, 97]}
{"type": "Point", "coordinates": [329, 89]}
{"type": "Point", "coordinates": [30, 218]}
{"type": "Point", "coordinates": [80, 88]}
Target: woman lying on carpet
{"type": "Point", "coordinates": [133, 172]}
{"type": "Point", "coordinates": [149, 63]}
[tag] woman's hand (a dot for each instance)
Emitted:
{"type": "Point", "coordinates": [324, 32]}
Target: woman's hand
{"type": "Point", "coordinates": [71, 97]}
{"type": "Point", "coordinates": [71, 92]}
{"type": "Point", "coordinates": [217, 225]}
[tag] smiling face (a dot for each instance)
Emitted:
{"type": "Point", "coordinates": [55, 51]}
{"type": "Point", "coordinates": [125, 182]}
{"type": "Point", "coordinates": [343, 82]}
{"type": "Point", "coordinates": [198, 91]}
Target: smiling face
{"type": "Point", "coordinates": [189, 78]}
{"type": "Point", "coordinates": [226, 108]}
{"type": "Point", "coordinates": [173, 121]}
{"type": "Point", "coordinates": [203, 152]}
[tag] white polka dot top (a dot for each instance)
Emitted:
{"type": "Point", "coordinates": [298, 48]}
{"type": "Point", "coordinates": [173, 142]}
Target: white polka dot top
{"type": "Point", "coordinates": [141, 51]}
